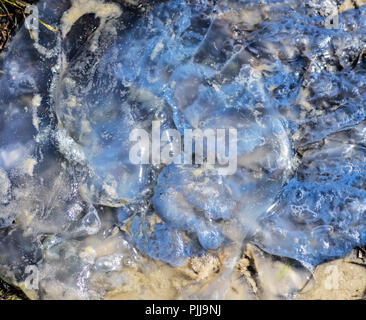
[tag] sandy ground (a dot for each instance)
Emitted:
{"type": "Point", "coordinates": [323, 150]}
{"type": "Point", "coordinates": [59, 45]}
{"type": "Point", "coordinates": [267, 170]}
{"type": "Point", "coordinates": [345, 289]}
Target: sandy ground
{"type": "Point", "coordinates": [257, 275]}
{"type": "Point", "coordinates": [342, 279]}
{"type": "Point", "coordinates": [272, 277]}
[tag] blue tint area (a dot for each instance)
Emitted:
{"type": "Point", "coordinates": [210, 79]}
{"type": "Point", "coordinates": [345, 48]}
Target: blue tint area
{"type": "Point", "coordinates": [293, 88]}
{"type": "Point", "coordinates": [320, 214]}
{"type": "Point", "coordinates": [163, 243]}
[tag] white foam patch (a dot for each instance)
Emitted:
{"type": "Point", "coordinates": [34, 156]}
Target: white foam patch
{"type": "Point", "coordinates": [102, 10]}
{"type": "Point", "coordinates": [36, 102]}
{"type": "Point", "coordinates": [4, 186]}
{"type": "Point", "coordinates": [28, 166]}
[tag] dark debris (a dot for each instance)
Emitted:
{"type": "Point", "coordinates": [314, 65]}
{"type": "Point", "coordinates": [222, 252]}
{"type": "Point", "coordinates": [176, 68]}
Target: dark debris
{"type": "Point", "coordinates": [8, 292]}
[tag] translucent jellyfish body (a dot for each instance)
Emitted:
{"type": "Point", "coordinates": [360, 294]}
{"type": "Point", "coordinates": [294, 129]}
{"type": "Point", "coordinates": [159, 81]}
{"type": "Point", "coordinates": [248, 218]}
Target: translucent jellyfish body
{"type": "Point", "coordinates": [74, 205]}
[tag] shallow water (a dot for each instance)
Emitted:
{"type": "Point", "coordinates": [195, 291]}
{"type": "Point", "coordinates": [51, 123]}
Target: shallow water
{"type": "Point", "coordinates": [75, 207]}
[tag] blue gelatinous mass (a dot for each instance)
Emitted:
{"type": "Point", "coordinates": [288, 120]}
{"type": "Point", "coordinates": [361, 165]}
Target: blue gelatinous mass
{"type": "Point", "coordinates": [289, 78]}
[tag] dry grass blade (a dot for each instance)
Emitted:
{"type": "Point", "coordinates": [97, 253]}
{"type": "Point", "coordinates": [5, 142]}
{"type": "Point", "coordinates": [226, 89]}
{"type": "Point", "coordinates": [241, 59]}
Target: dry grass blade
{"type": "Point", "coordinates": [17, 4]}
{"type": "Point", "coordinates": [12, 12]}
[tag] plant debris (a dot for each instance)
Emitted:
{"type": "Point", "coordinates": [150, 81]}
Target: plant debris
{"type": "Point", "coordinates": [8, 292]}
{"type": "Point", "coordinates": [11, 17]}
